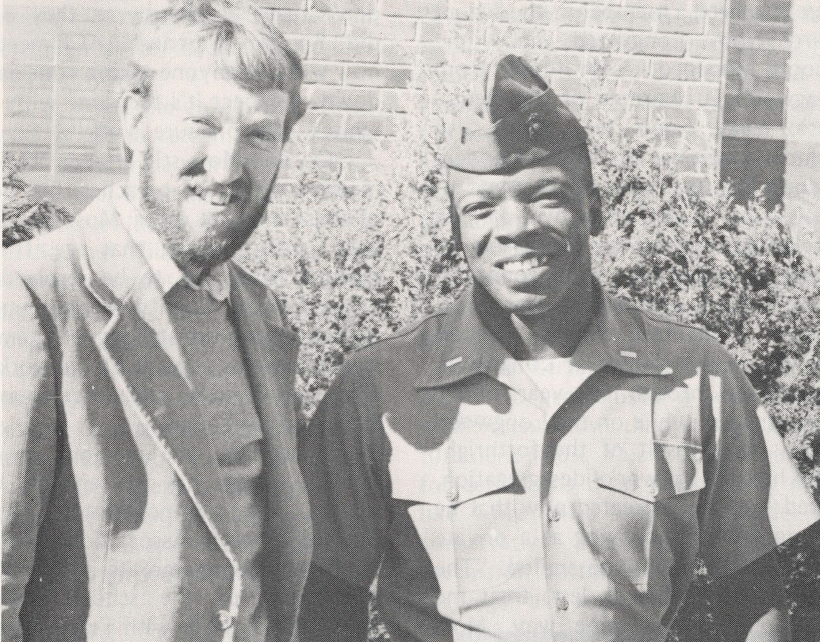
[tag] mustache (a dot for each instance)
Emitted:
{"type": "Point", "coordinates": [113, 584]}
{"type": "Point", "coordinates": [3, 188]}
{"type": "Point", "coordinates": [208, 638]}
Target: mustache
{"type": "Point", "coordinates": [197, 178]}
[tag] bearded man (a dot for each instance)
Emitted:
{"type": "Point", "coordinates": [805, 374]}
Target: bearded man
{"type": "Point", "coordinates": [150, 484]}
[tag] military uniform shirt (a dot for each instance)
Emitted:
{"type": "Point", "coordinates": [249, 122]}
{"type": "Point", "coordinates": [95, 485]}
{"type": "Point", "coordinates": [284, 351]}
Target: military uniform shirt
{"type": "Point", "coordinates": [415, 467]}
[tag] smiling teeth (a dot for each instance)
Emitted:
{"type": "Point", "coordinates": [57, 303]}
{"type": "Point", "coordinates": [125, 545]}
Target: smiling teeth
{"type": "Point", "coordinates": [214, 197]}
{"type": "Point", "coordinates": [525, 264]}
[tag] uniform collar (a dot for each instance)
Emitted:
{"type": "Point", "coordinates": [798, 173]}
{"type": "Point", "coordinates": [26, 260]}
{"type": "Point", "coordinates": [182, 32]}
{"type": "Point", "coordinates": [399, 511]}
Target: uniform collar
{"type": "Point", "coordinates": [167, 272]}
{"type": "Point", "coordinates": [616, 337]}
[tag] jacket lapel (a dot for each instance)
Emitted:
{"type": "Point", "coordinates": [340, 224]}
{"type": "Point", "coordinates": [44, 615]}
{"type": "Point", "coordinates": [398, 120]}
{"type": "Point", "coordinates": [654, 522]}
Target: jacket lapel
{"type": "Point", "coordinates": [140, 350]}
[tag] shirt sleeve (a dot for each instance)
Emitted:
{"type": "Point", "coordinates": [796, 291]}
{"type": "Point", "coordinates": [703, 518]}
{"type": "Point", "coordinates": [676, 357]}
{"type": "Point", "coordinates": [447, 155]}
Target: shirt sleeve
{"type": "Point", "coordinates": [341, 453]}
{"type": "Point", "coordinates": [755, 496]}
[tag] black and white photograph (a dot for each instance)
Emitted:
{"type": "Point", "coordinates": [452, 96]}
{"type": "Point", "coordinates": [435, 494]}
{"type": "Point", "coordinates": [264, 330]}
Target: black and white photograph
{"type": "Point", "coordinates": [411, 321]}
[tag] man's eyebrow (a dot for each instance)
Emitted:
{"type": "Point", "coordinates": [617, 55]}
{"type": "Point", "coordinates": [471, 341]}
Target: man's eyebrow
{"type": "Point", "coordinates": [266, 120]}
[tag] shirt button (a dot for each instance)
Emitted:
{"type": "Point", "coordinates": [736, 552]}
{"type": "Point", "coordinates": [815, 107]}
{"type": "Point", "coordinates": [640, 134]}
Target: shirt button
{"type": "Point", "coordinates": [562, 603]}
{"type": "Point", "coordinates": [553, 515]}
{"type": "Point", "coordinates": [225, 619]}
{"type": "Point", "coordinates": [654, 490]}
{"type": "Point", "coordinates": [452, 494]}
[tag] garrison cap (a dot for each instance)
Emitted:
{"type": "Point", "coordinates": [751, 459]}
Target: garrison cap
{"type": "Point", "coordinates": [517, 122]}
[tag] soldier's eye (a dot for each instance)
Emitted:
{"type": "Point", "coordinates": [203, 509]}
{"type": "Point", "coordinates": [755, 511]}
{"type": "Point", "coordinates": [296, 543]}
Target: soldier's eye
{"type": "Point", "coordinates": [550, 198]}
{"type": "Point", "coordinates": [477, 210]}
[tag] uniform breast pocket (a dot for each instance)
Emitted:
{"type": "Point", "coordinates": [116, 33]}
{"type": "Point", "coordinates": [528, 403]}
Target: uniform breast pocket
{"type": "Point", "coordinates": [463, 501]}
{"type": "Point", "coordinates": [635, 512]}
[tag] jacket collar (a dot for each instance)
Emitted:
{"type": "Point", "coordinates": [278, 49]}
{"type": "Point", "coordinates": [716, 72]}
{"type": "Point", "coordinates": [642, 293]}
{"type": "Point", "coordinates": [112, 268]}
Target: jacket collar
{"type": "Point", "coordinates": [616, 337]}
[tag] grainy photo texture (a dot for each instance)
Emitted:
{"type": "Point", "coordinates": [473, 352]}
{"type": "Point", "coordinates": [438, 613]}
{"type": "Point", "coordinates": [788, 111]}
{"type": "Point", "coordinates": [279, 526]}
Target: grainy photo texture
{"type": "Point", "coordinates": [412, 320]}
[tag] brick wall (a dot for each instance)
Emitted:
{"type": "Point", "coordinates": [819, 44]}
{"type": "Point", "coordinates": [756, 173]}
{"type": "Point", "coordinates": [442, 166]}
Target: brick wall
{"type": "Point", "coordinates": [659, 59]}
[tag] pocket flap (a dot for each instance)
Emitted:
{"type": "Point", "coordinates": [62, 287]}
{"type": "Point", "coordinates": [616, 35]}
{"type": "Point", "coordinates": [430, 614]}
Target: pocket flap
{"type": "Point", "coordinates": [678, 469]}
{"type": "Point", "coordinates": [448, 475]}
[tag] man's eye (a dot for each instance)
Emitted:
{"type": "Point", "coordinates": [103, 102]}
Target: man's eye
{"type": "Point", "coordinates": [477, 210]}
{"type": "Point", "coordinates": [549, 199]}
{"type": "Point", "coordinates": [203, 124]}
{"type": "Point", "coordinates": [264, 137]}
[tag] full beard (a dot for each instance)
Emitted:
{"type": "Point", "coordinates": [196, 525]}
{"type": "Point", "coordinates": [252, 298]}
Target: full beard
{"type": "Point", "coordinates": [213, 244]}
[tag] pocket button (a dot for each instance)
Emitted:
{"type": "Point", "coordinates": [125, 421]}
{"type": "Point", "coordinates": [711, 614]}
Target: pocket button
{"type": "Point", "coordinates": [562, 603]}
{"type": "Point", "coordinates": [452, 494]}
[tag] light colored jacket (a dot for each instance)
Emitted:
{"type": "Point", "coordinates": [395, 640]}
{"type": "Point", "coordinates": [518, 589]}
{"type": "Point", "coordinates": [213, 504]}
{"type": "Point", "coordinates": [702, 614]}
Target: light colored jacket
{"type": "Point", "coordinates": [115, 521]}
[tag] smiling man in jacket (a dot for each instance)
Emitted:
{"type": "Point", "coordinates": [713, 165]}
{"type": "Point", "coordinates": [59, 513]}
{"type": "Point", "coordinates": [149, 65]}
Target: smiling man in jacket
{"type": "Point", "coordinates": [150, 484]}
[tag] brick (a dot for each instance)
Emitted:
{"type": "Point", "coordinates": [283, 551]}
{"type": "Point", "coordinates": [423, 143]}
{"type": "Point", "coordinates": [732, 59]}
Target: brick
{"type": "Point", "coordinates": [584, 40]}
{"type": "Point", "coordinates": [557, 62]}
{"type": "Point", "coordinates": [612, 65]}
{"type": "Point", "coordinates": [321, 97]}
{"type": "Point", "coordinates": [702, 94]}
{"type": "Point", "coordinates": [371, 124]}
{"type": "Point", "coordinates": [570, 86]}
{"type": "Point", "coordinates": [320, 122]}
{"type": "Point", "coordinates": [675, 116]}
{"type": "Point", "coordinates": [652, 45]}
{"type": "Point", "coordinates": [479, 10]}
{"type": "Point", "coordinates": [712, 71]}
{"type": "Point", "coordinates": [300, 45]}
{"type": "Point", "coordinates": [698, 183]}
{"type": "Point", "coordinates": [673, 69]}
{"type": "Point", "coordinates": [409, 53]}
{"type": "Point", "coordinates": [345, 6]}
{"type": "Point", "coordinates": [323, 73]}
{"type": "Point", "coordinates": [653, 4]}
{"type": "Point", "coordinates": [356, 171]}
{"type": "Point", "coordinates": [447, 31]}
{"type": "Point", "coordinates": [378, 28]}
{"type": "Point", "coordinates": [539, 13]}
{"type": "Point", "coordinates": [618, 18]}
{"type": "Point", "coordinates": [395, 100]}
{"type": "Point", "coordinates": [678, 22]}
{"type": "Point", "coordinates": [344, 50]}
{"type": "Point", "coordinates": [343, 146]}
{"type": "Point", "coordinates": [370, 76]}
{"type": "Point", "coordinates": [310, 24]}
{"type": "Point", "coordinates": [715, 25]}
{"type": "Point", "coordinates": [511, 36]}
{"type": "Point", "coordinates": [657, 91]}
{"type": "Point", "coordinates": [570, 16]}
{"type": "Point", "coordinates": [282, 4]}
{"type": "Point", "coordinates": [471, 57]}
{"type": "Point", "coordinates": [708, 6]}
{"type": "Point", "coordinates": [294, 169]}
{"type": "Point", "coordinates": [415, 8]}
{"type": "Point", "coordinates": [706, 47]}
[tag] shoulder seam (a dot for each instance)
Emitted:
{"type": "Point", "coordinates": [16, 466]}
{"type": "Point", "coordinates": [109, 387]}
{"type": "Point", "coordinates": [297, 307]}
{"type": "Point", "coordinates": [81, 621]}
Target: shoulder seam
{"type": "Point", "coordinates": [660, 317]}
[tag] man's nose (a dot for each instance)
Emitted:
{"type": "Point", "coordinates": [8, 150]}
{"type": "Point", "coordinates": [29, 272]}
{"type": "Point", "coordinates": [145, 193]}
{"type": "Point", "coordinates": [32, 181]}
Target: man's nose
{"type": "Point", "coordinates": [224, 161]}
{"type": "Point", "coordinates": [513, 220]}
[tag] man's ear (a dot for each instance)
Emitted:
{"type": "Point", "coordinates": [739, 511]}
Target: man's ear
{"type": "Point", "coordinates": [132, 112]}
{"type": "Point", "coordinates": [596, 215]}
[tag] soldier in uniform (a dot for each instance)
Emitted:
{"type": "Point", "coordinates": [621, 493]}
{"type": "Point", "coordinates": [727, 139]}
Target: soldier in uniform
{"type": "Point", "coordinates": [541, 461]}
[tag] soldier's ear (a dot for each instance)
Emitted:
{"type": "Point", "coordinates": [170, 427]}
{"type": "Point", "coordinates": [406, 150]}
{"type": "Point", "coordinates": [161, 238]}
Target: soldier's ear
{"type": "Point", "coordinates": [596, 215]}
{"type": "Point", "coordinates": [132, 112]}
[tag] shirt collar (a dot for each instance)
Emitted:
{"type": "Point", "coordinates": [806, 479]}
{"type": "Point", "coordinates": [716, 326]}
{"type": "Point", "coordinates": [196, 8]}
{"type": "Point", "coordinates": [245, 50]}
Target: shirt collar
{"type": "Point", "coordinates": [616, 337]}
{"type": "Point", "coordinates": [167, 272]}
